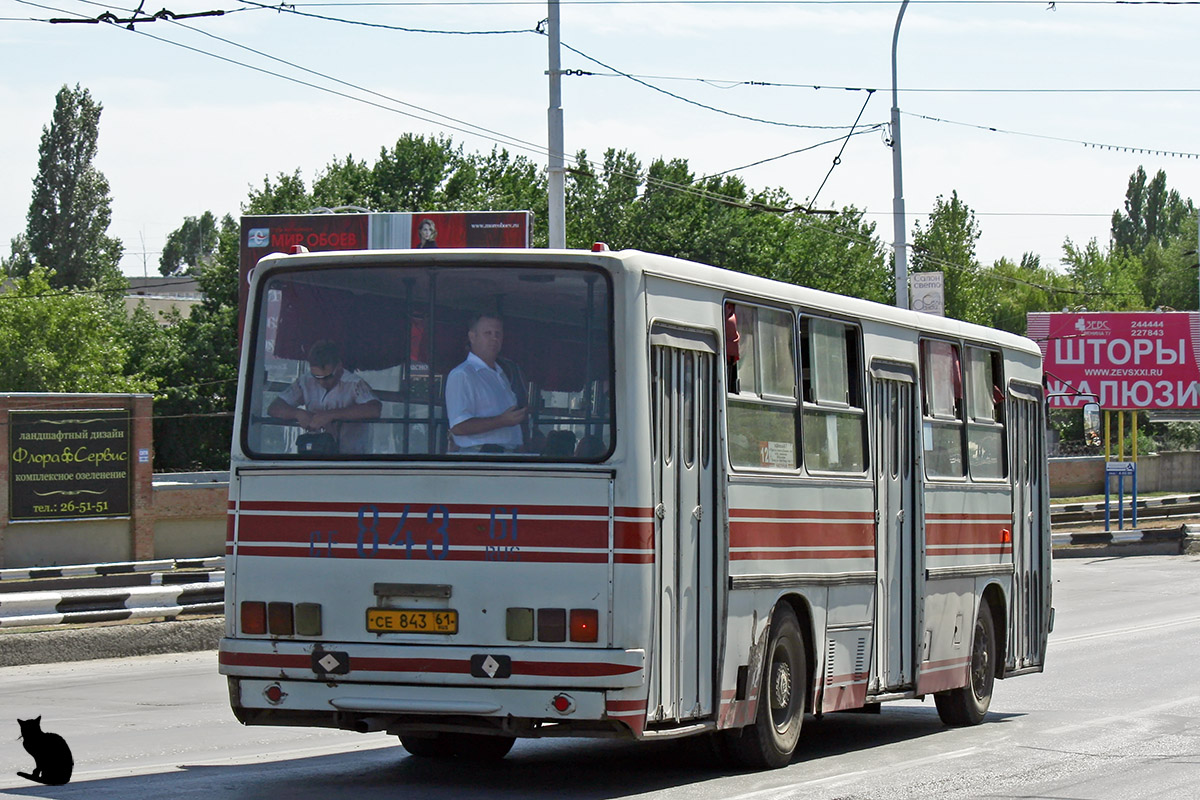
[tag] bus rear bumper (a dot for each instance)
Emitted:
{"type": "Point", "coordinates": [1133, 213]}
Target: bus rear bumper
{"type": "Point", "coordinates": [433, 665]}
{"type": "Point", "coordinates": [398, 709]}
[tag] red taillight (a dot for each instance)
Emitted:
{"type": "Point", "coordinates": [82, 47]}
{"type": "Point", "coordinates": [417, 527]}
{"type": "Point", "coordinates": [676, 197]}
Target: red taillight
{"type": "Point", "coordinates": [552, 624]}
{"type": "Point", "coordinates": [254, 617]}
{"type": "Point", "coordinates": [280, 619]}
{"type": "Point", "coordinates": [585, 624]}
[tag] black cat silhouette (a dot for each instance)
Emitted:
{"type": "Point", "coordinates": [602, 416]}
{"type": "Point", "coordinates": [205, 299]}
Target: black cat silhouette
{"type": "Point", "coordinates": [51, 756]}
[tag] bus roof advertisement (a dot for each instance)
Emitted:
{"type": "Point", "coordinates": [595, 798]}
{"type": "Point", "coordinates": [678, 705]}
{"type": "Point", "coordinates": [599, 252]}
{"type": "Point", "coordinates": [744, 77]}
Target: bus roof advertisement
{"type": "Point", "coordinates": [278, 233]}
{"type": "Point", "coordinates": [1121, 360]}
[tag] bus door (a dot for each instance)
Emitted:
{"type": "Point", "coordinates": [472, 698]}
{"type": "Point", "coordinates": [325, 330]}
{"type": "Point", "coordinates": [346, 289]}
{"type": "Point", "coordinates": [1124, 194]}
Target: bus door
{"type": "Point", "coordinates": [897, 559]}
{"type": "Point", "coordinates": [683, 383]}
{"type": "Point", "coordinates": [1031, 556]}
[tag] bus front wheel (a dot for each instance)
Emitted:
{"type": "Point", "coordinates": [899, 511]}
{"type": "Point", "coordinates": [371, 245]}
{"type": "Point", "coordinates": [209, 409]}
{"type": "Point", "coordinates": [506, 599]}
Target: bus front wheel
{"type": "Point", "coordinates": [770, 741]}
{"type": "Point", "coordinates": [969, 704]}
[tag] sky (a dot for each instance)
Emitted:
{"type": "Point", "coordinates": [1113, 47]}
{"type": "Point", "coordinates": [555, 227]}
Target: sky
{"type": "Point", "coordinates": [1035, 113]}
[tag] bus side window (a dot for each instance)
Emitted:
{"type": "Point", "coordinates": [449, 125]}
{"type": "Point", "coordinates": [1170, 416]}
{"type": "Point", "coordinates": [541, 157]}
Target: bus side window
{"type": "Point", "coordinates": [762, 402]}
{"type": "Point", "coordinates": [985, 414]}
{"type": "Point", "coordinates": [834, 420]}
{"type": "Point", "coordinates": [941, 400]}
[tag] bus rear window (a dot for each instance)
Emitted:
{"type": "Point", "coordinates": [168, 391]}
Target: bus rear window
{"type": "Point", "coordinates": [399, 362]}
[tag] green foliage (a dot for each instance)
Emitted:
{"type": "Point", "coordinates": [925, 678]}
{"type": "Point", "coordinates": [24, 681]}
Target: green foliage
{"type": "Point", "coordinates": [190, 245]}
{"type": "Point", "coordinates": [946, 244]}
{"type": "Point", "coordinates": [195, 361]}
{"type": "Point", "coordinates": [343, 184]}
{"type": "Point", "coordinates": [286, 195]}
{"type": "Point", "coordinates": [1169, 273]}
{"type": "Point", "coordinates": [1013, 290]}
{"type": "Point", "coordinates": [1108, 279]}
{"type": "Point", "coordinates": [57, 340]}
{"type": "Point", "coordinates": [84, 342]}
{"type": "Point", "coordinates": [67, 223]}
{"type": "Point", "coordinates": [1153, 214]}
{"type": "Point", "coordinates": [667, 209]}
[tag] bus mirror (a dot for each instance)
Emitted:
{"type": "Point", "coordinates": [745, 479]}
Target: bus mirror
{"type": "Point", "coordinates": [1091, 423]}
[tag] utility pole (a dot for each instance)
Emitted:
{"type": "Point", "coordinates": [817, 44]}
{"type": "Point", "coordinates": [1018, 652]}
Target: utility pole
{"type": "Point", "coordinates": [899, 245]}
{"type": "Point", "coordinates": [556, 169]}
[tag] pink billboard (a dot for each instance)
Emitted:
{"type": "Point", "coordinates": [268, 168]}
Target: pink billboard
{"type": "Point", "coordinates": [1121, 360]}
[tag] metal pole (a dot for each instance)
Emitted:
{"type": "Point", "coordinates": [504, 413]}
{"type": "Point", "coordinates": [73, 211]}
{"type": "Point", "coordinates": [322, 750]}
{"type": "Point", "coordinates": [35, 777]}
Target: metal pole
{"type": "Point", "coordinates": [898, 242]}
{"type": "Point", "coordinates": [556, 170]}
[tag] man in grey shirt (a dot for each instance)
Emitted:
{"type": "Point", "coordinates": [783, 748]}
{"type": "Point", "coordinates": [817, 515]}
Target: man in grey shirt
{"type": "Point", "coordinates": [329, 399]}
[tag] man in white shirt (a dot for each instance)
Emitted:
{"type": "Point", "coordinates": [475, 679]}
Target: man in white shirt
{"type": "Point", "coordinates": [329, 399]}
{"type": "Point", "coordinates": [481, 406]}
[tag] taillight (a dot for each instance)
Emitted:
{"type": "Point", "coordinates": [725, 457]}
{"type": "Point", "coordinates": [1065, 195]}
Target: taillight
{"type": "Point", "coordinates": [308, 619]}
{"type": "Point", "coordinates": [518, 624]}
{"type": "Point", "coordinates": [279, 619]}
{"type": "Point", "coordinates": [254, 617]}
{"type": "Point", "coordinates": [585, 624]}
{"type": "Point", "coordinates": [552, 624]}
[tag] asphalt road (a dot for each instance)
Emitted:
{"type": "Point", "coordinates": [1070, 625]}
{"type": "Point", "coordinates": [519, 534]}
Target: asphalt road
{"type": "Point", "coordinates": [1116, 715]}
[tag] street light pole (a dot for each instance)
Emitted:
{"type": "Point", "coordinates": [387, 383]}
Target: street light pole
{"type": "Point", "coordinates": [899, 246]}
{"type": "Point", "coordinates": [555, 168]}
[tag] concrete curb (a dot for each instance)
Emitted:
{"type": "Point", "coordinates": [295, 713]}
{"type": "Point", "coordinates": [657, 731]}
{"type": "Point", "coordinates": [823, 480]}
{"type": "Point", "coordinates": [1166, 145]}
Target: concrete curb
{"type": "Point", "coordinates": [111, 641]}
{"type": "Point", "coordinates": [1150, 502]}
{"type": "Point", "coordinates": [23, 609]}
{"type": "Point", "coordinates": [119, 568]}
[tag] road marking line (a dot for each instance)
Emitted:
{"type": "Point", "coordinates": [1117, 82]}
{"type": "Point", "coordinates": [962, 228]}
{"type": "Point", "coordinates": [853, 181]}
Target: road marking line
{"type": "Point", "coordinates": [846, 777]}
{"type": "Point", "coordinates": [1083, 637]}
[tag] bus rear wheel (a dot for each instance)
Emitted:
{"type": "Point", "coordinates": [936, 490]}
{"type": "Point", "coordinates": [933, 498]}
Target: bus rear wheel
{"type": "Point", "coordinates": [467, 746]}
{"type": "Point", "coordinates": [478, 747]}
{"type": "Point", "coordinates": [429, 745]}
{"type": "Point", "coordinates": [770, 741]}
{"type": "Point", "coordinates": [969, 704]}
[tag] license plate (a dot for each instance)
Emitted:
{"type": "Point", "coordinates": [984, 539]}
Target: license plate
{"type": "Point", "coordinates": [400, 620]}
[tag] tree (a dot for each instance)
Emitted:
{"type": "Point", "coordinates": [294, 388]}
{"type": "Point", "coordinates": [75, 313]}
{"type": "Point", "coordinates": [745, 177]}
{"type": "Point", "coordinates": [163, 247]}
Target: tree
{"type": "Point", "coordinates": [407, 177]}
{"type": "Point", "coordinates": [69, 214]}
{"type": "Point", "coordinates": [1153, 214]}
{"type": "Point", "coordinates": [57, 340]}
{"type": "Point", "coordinates": [947, 245]}
{"type": "Point", "coordinates": [1169, 273]}
{"type": "Point", "coordinates": [287, 195]}
{"type": "Point", "coordinates": [1016, 289]}
{"type": "Point", "coordinates": [1108, 280]}
{"type": "Point", "coordinates": [194, 361]}
{"type": "Point", "coordinates": [190, 246]}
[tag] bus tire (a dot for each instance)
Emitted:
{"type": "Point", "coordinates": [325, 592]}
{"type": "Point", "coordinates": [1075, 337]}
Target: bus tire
{"type": "Point", "coordinates": [428, 745]}
{"type": "Point", "coordinates": [770, 741]}
{"type": "Point", "coordinates": [480, 747]}
{"type": "Point", "coordinates": [968, 705]}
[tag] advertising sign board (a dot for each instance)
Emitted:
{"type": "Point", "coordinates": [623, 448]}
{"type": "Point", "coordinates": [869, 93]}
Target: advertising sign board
{"type": "Point", "coordinates": [69, 464]}
{"type": "Point", "coordinates": [928, 293]}
{"type": "Point", "coordinates": [1121, 360]}
{"type": "Point", "coordinates": [266, 234]}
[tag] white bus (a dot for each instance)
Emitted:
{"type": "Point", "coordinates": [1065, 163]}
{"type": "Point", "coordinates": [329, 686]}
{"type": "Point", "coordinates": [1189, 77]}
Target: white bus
{"type": "Point", "coordinates": [735, 502]}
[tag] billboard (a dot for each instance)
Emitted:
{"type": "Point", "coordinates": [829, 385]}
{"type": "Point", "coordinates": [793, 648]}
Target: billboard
{"type": "Point", "coordinates": [278, 233]}
{"type": "Point", "coordinates": [928, 293]}
{"type": "Point", "coordinates": [1125, 361]}
{"type": "Point", "coordinates": [69, 464]}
